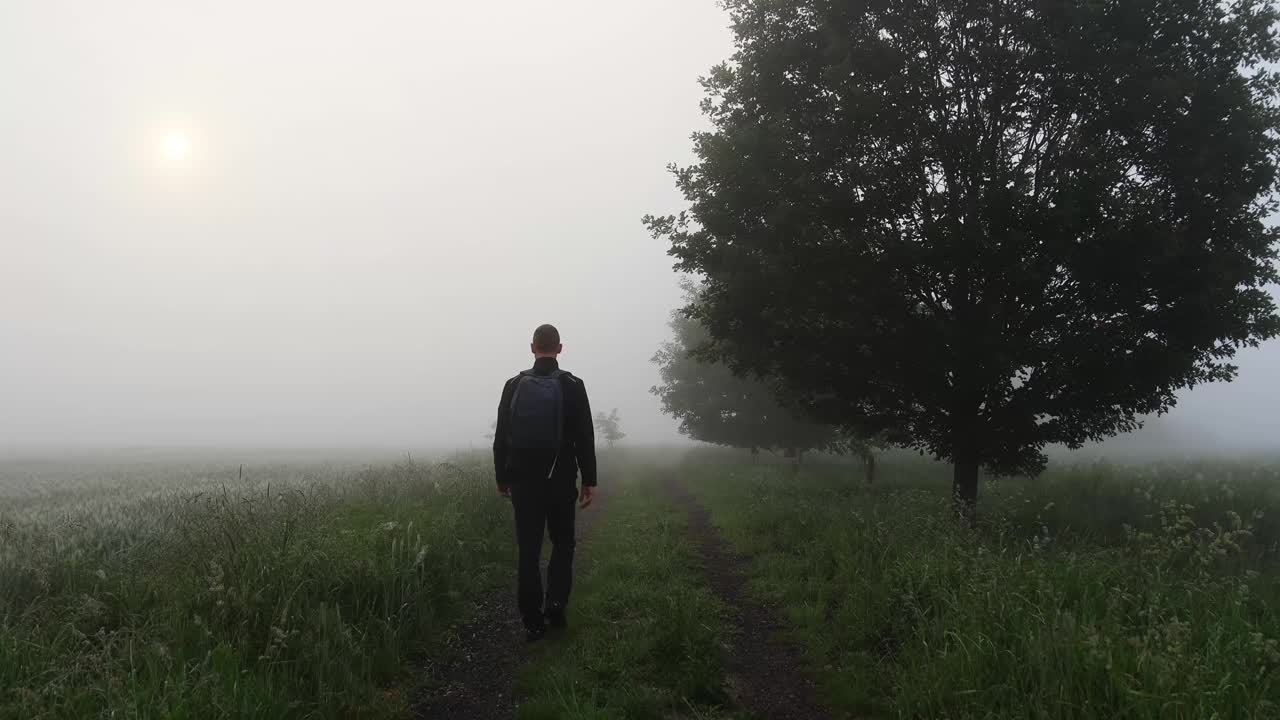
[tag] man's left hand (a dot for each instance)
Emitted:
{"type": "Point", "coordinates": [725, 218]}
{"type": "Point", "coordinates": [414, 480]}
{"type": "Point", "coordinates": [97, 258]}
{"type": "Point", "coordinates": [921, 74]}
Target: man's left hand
{"type": "Point", "coordinates": [504, 490]}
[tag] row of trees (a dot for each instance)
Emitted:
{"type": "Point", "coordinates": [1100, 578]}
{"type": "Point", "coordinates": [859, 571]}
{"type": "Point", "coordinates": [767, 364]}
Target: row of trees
{"type": "Point", "coordinates": [715, 405]}
{"type": "Point", "coordinates": [978, 227]}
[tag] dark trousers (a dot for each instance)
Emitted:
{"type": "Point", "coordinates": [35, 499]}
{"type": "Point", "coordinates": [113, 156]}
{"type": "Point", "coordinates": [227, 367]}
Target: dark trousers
{"type": "Point", "coordinates": [538, 506]}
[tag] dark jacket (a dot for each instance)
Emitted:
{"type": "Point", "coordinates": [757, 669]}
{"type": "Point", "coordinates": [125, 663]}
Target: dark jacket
{"type": "Point", "coordinates": [577, 449]}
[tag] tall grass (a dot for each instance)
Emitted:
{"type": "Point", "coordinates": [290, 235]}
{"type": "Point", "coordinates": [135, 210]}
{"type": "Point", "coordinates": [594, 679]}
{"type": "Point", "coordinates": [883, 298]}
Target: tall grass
{"type": "Point", "coordinates": [286, 596]}
{"type": "Point", "coordinates": [1095, 591]}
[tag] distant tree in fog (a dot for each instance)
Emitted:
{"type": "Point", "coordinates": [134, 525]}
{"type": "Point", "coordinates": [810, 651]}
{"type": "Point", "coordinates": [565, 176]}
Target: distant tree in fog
{"type": "Point", "coordinates": [610, 426]}
{"type": "Point", "coordinates": [986, 226]}
{"type": "Point", "coordinates": [715, 406]}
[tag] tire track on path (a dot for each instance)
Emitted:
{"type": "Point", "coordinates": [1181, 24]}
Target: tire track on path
{"type": "Point", "coordinates": [486, 652]}
{"type": "Point", "coordinates": [765, 669]}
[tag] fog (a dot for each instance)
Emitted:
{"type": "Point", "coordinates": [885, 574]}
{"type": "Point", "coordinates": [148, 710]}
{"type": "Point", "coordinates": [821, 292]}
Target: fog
{"type": "Point", "coordinates": [369, 208]}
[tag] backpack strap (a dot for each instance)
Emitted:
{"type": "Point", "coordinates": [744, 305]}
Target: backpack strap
{"type": "Point", "coordinates": [558, 374]}
{"type": "Point", "coordinates": [515, 397]}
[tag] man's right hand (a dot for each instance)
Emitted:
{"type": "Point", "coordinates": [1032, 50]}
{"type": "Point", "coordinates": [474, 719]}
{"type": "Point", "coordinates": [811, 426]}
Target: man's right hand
{"type": "Point", "coordinates": [587, 493]}
{"type": "Point", "coordinates": [504, 490]}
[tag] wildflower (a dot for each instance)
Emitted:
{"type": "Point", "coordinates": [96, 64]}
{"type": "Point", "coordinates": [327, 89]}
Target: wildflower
{"type": "Point", "coordinates": [214, 578]}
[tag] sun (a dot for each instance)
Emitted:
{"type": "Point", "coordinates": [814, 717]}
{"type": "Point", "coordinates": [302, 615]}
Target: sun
{"type": "Point", "coordinates": [176, 147]}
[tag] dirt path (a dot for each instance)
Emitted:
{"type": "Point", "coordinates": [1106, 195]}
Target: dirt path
{"type": "Point", "coordinates": [486, 652]}
{"type": "Point", "coordinates": [765, 677]}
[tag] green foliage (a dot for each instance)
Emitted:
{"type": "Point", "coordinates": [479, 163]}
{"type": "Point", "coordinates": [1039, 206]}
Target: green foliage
{"type": "Point", "coordinates": [610, 426]}
{"type": "Point", "coordinates": [289, 596]}
{"type": "Point", "coordinates": [716, 406]}
{"type": "Point", "coordinates": [1097, 591]}
{"type": "Point", "coordinates": [987, 226]}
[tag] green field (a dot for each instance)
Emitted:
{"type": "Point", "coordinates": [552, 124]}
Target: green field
{"type": "Point", "coordinates": [159, 590]}
{"type": "Point", "coordinates": [299, 589]}
{"type": "Point", "coordinates": [1094, 591]}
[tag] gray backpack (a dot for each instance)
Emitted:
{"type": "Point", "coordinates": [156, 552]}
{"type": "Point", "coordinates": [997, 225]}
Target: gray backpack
{"type": "Point", "coordinates": [537, 412]}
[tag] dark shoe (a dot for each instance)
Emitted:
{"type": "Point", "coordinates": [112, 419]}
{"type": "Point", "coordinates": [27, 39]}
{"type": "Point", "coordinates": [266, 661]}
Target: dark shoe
{"type": "Point", "coordinates": [555, 617]}
{"type": "Point", "coordinates": [534, 632]}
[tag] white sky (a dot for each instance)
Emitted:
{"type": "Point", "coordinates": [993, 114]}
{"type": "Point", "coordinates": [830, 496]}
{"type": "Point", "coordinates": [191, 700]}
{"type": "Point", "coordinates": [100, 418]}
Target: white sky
{"type": "Point", "coordinates": [381, 201]}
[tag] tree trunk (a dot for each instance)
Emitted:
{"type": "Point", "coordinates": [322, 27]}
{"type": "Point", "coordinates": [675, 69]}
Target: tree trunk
{"type": "Point", "coordinates": [869, 460]}
{"type": "Point", "coordinates": [964, 487]}
{"type": "Point", "coordinates": [966, 453]}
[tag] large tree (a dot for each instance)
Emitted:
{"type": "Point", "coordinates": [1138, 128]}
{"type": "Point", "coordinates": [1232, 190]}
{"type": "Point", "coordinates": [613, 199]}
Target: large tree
{"type": "Point", "coordinates": [715, 406]}
{"type": "Point", "coordinates": [987, 225]}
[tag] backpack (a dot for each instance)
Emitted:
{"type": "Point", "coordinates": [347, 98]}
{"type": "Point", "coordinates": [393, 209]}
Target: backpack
{"type": "Point", "coordinates": [537, 412]}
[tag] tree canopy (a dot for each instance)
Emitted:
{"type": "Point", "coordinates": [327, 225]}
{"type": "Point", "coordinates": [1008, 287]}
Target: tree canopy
{"type": "Point", "coordinates": [715, 406]}
{"type": "Point", "coordinates": [986, 225]}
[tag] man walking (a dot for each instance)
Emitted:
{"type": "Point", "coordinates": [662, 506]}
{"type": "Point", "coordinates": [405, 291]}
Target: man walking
{"type": "Point", "coordinates": [543, 438]}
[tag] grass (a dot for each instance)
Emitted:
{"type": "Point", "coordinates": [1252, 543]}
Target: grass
{"type": "Point", "coordinates": [1096, 591]}
{"type": "Point", "coordinates": [646, 637]}
{"type": "Point", "coordinates": [301, 593]}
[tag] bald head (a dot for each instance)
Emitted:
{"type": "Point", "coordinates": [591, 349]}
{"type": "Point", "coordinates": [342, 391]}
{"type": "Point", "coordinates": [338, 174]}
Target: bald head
{"type": "Point", "coordinates": [546, 341]}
